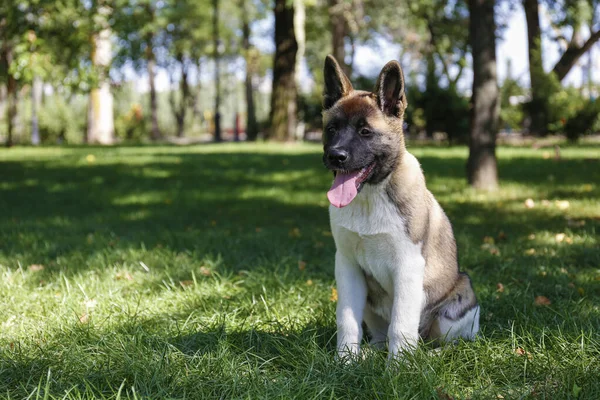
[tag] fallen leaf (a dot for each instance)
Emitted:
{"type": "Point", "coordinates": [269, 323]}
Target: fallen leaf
{"type": "Point", "coordinates": [90, 158]}
{"type": "Point", "coordinates": [499, 396]}
{"type": "Point", "coordinates": [559, 237]}
{"type": "Point", "coordinates": [309, 282]}
{"type": "Point", "coordinates": [542, 301]}
{"type": "Point", "coordinates": [301, 265]}
{"type": "Point", "coordinates": [185, 284]}
{"type": "Point", "coordinates": [499, 288]}
{"type": "Point", "coordinates": [488, 240]}
{"type": "Point", "coordinates": [295, 233]}
{"type": "Point", "coordinates": [84, 319]}
{"type": "Point", "coordinates": [205, 271]}
{"type": "Point", "coordinates": [562, 204]}
{"type": "Point", "coordinates": [546, 155]}
{"type": "Point", "coordinates": [520, 351]}
{"type": "Point", "coordinates": [563, 270]}
{"type": "Point", "coordinates": [529, 203]}
{"type": "Point", "coordinates": [334, 294]}
{"type": "Point", "coordinates": [36, 267]}
{"type": "Point", "coordinates": [124, 275]}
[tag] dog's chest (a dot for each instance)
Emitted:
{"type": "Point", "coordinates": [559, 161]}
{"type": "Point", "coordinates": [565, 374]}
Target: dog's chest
{"type": "Point", "coordinates": [371, 231]}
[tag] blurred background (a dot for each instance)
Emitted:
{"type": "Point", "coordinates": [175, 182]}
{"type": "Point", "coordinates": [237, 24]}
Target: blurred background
{"type": "Point", "coordinates": [187, 71]}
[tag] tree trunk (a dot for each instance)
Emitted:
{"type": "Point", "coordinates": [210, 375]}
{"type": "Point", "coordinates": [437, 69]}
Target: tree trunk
{"type": "Point", "coordinates": [300, 32]}
{"type": "Point", "coordinates": [36, 100]}
{"type": "Point", "coordinates": [216, 56]}
{"type": "Point", "coordinates": [186, 100]}
{"type": "Point", "coordinates": [283, 95]}
{"type": "Point", "coordinates": [155, 132]}
{"type": "Point", "coordinates": [100, 110]}
{"type": "Point", "coordinates": [481, 167]}
{"type": "Point", "coordinates": [338, 33]}
{"type": "Point", "coordinates": [13, 101]}
{"type": "Point", "coordinates": [538, 107]}
{"type": "Point", "coordinates": [251, 124]}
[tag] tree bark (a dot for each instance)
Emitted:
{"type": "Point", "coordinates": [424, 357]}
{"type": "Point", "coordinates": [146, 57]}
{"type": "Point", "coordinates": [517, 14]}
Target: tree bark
{"type": "Point", "coordinates": [482, 170]}
{"type": "Point", "coordinates": [216, 56]}
{"type": "Point", "coordinates": [538, 107]}
{"type": "Point", "coordinates": [283, 95]}
{"type": "Point", "coordinates": [36, 100]}
{"type": "Point", "coordinates": [186, 98]}
{"type": "Point", "coordinates": [300, 32]}
{"type": "Point", "coordinates": [251, 124]}
{"type": "Point", "coordinates": [155, 132]}
{"type": "Point", "coordinates": [338, 33]}
{"type": "Point", "coordinates": [100, 110]}
{"type": "Point", "coordinates": [570, 57]}
{"type": "Point", "coordinates": [11, 93]}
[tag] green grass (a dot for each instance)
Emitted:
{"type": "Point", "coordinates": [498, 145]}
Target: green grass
{"type": "Point", "coordinates": [172, 272]}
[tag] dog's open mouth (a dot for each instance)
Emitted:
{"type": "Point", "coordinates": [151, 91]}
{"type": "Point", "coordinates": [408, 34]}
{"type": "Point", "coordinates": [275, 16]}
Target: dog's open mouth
{"type": "Point", "coordinates": [347, 184]}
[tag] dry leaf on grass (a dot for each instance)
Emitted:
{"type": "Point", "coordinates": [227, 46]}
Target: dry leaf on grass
{"type": "Point", "coordinates": [36, 267]}
{"type": "Point", "coordinates": [334, 294]}
{"type": "Point", "coordinates": [522, 352]}
{"type": "Point", "coordinates": [185, 284]}
{"type": "Point", "coordinates": [90, 158]}
{"type": "Point", "coordinates": [204, 271]}
{"type": "Point", "coordinates": [309, 282]}
{"type": "Point", "coordinates": [84, 319]}
{"type": "Point", "coordinates": [123, 275]}
{"type": "Point", "coordinates": [499, 288]}
{"type": "Point", "coordinates": [301, 265]}
{"type": "Point", "coordinates": [542, 301]}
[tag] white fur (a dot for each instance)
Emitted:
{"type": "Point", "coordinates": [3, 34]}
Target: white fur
{"type": "Point", "coordinates": [371, 238]}
{"type": "Point", "coordinates": [448, 330]}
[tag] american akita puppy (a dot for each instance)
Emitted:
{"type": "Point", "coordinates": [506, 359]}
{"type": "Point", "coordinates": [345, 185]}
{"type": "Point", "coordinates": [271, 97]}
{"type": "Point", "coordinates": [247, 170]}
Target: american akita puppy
{"type": "Point", "coordinates": [396, 265]}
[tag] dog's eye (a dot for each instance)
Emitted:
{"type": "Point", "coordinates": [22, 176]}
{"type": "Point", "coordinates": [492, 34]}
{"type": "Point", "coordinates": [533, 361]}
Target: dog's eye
{"type": "Point", "coordinates": [331, 130]}
{"type": "Point", "coordinates": [365, 132]}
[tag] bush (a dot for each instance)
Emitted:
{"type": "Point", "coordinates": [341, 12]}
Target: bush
{"type": "Point", "coordinates": [63, 120]}
{"type": "Point", "coordinates": [584, 121]}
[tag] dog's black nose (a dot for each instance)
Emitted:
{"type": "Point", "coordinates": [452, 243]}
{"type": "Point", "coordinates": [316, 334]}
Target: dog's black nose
{"type": "Point", "coordinates": [337, 156]}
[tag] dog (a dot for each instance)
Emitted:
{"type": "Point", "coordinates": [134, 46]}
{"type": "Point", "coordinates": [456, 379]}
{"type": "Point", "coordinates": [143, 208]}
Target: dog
{"type": "Point", "coordinates": [396, 266]}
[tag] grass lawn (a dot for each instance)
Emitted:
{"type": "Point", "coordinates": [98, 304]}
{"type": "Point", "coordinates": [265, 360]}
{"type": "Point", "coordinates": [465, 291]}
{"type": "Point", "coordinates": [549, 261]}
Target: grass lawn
{"type": "Point", "coordinates": [207, 272]}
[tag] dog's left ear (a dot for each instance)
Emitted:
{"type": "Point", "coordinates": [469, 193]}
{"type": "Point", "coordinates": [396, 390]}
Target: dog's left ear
{"type": "Point", "coordinates": [337, 84]}
{"type": "Point", "coordinates": [390, 90]}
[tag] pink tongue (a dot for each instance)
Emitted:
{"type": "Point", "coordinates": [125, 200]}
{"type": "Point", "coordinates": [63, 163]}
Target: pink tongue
{"type": "Point", "coordinates": [343, 190]}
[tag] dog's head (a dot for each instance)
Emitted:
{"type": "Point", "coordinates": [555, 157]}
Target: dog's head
{"type": "Point", "coordinates": [362, 131]}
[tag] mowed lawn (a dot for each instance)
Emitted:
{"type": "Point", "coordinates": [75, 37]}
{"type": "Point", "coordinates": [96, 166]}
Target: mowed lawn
{"type": "Point", "coordinates": [207, 272]}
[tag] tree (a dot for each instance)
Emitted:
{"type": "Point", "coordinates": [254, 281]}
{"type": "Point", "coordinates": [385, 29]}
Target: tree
{"type": "Point", "coordinates": [569, 15]}
{"type": "Point", "coordinates": [216, 58]}
{"type": "Point", "coordinates": [482, 170]}
{"type": "Point", "coordinates": [250, 58]}
{"type": "Point", "coordinates": [101, 127]}
{"type": "Point", "coordinates": [283, 95]}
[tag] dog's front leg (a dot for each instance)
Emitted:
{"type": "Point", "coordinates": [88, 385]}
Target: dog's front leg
{"type": "Point", "coordinates": [352, 297]}
{"type": "Point", "coordinates": [403, 333]}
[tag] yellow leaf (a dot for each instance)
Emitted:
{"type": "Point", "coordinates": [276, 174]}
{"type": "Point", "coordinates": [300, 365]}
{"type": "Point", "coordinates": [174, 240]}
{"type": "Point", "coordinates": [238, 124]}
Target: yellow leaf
{"type": "Point", "coordinates": [560, 237]}
{"type": "Point", "coordinates": [36, 267]}
{"type": "Point", "coordinates": [204, 271]}
{"type": "Point", "coordinates": [309, 282]}
{"type": "Point", "coordinates": [90, 158]}
{"type": "Point", "coordinates": [499, 288]}
{"type": "Point", "coordinates": [334, 294]}
{"type": "Point", "coordinates": [295, 233]}
{"type": "Point", "coordinates": [84, 319]}
{"type": "Point", "coordinates": [542, 301]}
{"type": "Point", "coordinates": [185, 284]}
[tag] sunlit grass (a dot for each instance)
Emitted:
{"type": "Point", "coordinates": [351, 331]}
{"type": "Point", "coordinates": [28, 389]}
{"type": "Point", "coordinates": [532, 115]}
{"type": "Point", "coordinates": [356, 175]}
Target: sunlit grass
{"type": "Point", "coordinates": [207, 272]}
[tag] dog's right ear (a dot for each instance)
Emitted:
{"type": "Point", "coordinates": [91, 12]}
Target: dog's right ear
{"type": "Point", "coordinates": [337, 84]}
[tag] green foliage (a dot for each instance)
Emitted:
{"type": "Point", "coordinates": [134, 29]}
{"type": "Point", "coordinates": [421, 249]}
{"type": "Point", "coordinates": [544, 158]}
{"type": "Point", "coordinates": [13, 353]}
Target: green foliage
{"type": "Point", "coordinates": [62, 120]}
{"type": "Point", "coordinates": [511, 115]}
{"type": "Point", "coordinates": [584, 121]}
{"type": "Point", "coordinates": [439, 110]}
{"type": "Point", "coordinates": [173, 272]}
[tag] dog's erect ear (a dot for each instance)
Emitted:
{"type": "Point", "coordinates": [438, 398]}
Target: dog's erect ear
{"type": "Point", "coordinates": [337, 84]}
{"type": "Point", "coordinates": [390, 90]}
